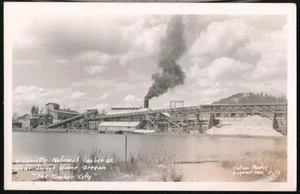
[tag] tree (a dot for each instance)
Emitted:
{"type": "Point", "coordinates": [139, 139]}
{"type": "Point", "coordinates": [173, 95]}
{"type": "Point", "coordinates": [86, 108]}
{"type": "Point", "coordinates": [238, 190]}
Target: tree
{"type": "Point", "coordinates": [33, 109]}
{"type": "Point", "coordinates": [15, 117]}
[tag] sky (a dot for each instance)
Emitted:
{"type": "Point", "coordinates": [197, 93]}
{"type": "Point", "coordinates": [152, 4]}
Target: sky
{"type": "Point", "coordinates": [99, 61]}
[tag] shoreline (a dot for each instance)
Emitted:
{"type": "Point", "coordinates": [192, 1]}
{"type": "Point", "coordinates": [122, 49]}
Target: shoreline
{"type": "Point", "coordinates": [211, 170]}
{"type": "Point", "coordinates": [193, 134]}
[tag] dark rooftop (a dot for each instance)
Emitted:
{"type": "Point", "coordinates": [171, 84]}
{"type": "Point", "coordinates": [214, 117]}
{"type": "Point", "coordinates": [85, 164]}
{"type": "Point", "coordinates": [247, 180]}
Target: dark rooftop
{"type": "Point", "coordinates": [52, 103]}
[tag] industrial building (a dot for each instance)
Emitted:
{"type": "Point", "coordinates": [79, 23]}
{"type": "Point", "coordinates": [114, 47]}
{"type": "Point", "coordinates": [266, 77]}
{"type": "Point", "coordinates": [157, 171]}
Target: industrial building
{"type": "Point", "coordinates": [28, 121]}
{"type": "Point", "coordinates": [117, 127]}
{"type": "Point", "coordinates": [126, 108]}
{"type": "Point", "coordinates": [52, 106]}
{"type": "Point", "coordinates": [24, 121]}
{"type": "Point", "coordinates": [49, 114]}
{"type": "Point", "coordinates": [53, 109]}
{"type": "Point", "coordinates": [176, 118]}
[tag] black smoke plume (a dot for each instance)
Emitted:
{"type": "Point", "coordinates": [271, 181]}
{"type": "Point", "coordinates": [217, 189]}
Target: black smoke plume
{"type": "Point", "coordinates": [172, 47]}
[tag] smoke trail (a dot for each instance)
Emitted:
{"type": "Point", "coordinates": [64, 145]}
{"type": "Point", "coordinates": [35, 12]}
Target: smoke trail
{"type": "Point", "coordinates": [172, 47]}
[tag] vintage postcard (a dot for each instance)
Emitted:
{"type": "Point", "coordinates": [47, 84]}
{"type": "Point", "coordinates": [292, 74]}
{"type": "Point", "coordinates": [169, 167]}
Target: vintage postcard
{"type": "Point", "coordinates": [125, 96]}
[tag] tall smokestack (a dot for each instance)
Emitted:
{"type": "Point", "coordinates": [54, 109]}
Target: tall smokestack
{"type": "Point", "coordinates": [146, 103]}
{"type": "Point", "coordinates": [172, 47]}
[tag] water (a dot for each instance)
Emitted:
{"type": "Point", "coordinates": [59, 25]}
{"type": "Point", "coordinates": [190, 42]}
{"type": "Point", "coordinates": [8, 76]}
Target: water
{"type": "Point", "coordinates": [186, 148]}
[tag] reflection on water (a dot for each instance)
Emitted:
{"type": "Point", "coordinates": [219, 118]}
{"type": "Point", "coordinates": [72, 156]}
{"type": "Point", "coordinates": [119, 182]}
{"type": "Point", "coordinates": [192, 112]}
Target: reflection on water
{"type": "Point", "coordinates": [186, 148]}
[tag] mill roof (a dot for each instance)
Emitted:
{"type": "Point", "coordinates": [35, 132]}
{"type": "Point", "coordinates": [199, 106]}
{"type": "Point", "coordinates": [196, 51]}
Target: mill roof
{"type": "Point", "coordinates": [119, 124]}
{"type": "Point", "coordinates": [52, 103]}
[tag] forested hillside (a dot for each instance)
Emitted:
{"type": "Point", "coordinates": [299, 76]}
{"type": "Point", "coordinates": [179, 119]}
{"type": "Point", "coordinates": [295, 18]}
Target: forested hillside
{"type": "Point", "coordinates": [251, 97]}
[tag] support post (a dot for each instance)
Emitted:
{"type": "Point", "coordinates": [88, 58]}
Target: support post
{"type": "Point", "coordinates": [197, 121]}
{"type": "Point", "coordinates": [211, 121]}
{"type": "Point", "coordinates": [125, 152]}
{"type": "Point", "coordinates": [275, 123]}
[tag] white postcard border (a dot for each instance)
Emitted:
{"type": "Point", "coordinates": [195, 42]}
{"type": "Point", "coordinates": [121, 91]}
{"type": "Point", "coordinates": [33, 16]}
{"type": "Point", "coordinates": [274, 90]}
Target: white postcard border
{"type": "Point", "coordinates": [153, 8]}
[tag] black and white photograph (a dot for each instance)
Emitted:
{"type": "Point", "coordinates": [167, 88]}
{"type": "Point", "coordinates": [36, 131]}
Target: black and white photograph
{"type": "Point", "coordinates": [163, 96]}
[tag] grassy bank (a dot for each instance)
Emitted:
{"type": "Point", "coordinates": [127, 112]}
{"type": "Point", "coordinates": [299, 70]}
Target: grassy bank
{"type": "Point", "coordinates": [159, 167]}
{"type": "Point", "coordinates": [274, 161]}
